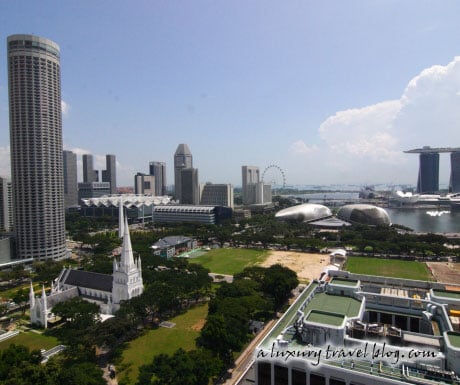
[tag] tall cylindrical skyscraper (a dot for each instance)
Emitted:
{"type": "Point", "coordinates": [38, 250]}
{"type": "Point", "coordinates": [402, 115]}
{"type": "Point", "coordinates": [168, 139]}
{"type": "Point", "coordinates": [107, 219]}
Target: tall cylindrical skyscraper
{"type": "Point", "coordinates": [34, 80]}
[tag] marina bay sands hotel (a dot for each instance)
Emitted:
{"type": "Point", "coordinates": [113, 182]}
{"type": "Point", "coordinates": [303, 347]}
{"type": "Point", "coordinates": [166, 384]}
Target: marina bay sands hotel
{"type": "Point", "coordinates": [428, 174]}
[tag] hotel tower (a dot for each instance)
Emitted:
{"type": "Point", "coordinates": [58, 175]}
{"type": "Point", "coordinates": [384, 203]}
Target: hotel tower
{"type": "Point", "coordinates": [34, 79]}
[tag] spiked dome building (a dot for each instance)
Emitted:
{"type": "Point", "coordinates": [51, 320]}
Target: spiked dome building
{"type": "Point", "coordinates": [108, 291]}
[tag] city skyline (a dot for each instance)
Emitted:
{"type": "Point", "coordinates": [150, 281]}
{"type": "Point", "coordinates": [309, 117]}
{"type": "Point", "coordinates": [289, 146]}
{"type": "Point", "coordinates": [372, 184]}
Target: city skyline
{"type": "Point", "coordinates": [331, 92]}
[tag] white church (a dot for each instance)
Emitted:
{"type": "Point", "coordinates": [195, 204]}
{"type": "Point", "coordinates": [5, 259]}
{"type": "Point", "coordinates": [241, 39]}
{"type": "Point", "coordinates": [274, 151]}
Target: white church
{"type": "Point", "coordinates": [108, 291]}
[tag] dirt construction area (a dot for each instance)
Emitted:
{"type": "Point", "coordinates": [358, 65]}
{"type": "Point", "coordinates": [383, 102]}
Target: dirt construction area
{"type": "Point", "coordinates": [307, 266]}
{"type": "Point", "coordinates": [446, 272]}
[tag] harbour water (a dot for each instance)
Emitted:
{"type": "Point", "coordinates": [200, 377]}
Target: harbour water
{"type": "Point", "coordinates": [425, 220]}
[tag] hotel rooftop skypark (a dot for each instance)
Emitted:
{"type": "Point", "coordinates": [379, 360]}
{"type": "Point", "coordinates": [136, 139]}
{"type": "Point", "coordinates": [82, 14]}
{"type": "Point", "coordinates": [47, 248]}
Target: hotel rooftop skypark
{"type": "Point", "coordinates": [357, 329]}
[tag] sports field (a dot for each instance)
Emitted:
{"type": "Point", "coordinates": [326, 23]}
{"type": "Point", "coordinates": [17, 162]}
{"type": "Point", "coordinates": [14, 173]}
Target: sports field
{"type": "Point", "coordinates": [162, 340]}
{"type": "Point", "coordinates": [32, 340]}
{"type": "Point", "coordinates": [229, 261]}
{"type": "Point", "coordinates": [388, 267]}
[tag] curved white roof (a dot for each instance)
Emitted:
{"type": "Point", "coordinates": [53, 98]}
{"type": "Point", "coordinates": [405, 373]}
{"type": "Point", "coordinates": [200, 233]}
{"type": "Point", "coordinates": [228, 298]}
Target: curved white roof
{"type": "Point", "coordinates": [364, 214]}
{"type": "Point", "coordinates": [305, 212]}
{"type": "Point", "coordinates": [128, 200]}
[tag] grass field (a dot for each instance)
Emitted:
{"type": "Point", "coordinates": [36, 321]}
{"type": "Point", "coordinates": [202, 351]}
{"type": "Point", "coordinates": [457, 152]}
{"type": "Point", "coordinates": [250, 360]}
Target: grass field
{"type": "Point", "coordinates": [31, 340]}
{"type": "Point", "coordinates": [162, 340]}
{"type": "Point", "coordinates": [388, 267]}
{"type": "Point", "coordinates": [229, 261]}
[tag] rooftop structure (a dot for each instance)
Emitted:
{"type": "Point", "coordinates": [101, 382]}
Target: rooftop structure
{"type": "Point", "coordinates": [128, 200]}
{"type": "Point", "coordinates": [432, 150]}
{"type": "Point", "coordinates": [169, 246]}
{"type": "Point", "coordinates": [364, 214]}
{"type": "Point", "coordinates": [321, 216]}
{"type": "Point", "coordinates": [306, 212]}
{"type": "Point", "coordinates": [428, 176]}
{"type": "Point", "coordinates": [359, 329]}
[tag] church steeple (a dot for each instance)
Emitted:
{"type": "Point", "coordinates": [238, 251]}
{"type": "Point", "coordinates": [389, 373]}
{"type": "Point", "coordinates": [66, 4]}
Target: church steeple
{"type": "Point", "coordinates": [127, 258]}
{"type": "Point", "coordinates": [121, 223]}
{"type": "Point", "coordinates": [31, 296]}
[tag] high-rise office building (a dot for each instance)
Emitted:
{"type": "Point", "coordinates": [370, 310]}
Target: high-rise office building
{"type": "Point", "coordinates": [110, 173]}
{"type": "Point", "coordinates": [428, 176]}
{"type": "Point", "coordinates": [158, 169]}
{"type": "Point", "coordinates": [454, 185]}
{"type": "Point", "coordinates": [70, 179]}
{"type": "Point", "coordinates": [251, 176]}
{"type": "Point", "coordinates": [93, 190]}
{"type": "Point", "coordinates": [182, 159]}
{"type": "Point", "coordinates": [144, 184]}
{"type": "Point", "coordinates": [190, 190]}
{"type": "Point", "coordinates": [216, 195]}
{"type": "Point", "coordinates": [89, 173]}
{"type": "Point", "coordinates": [6, 205]}
{"type": "Point", "coordinates": [34, 78]}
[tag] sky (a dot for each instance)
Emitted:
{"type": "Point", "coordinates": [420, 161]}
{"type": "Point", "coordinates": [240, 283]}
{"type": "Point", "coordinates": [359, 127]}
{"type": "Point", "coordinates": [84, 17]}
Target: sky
{"type": "Point", "coordinates": [332, 91]}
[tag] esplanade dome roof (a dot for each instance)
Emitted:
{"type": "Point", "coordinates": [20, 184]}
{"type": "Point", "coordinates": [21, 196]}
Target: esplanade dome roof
{"type": "Point", "coordinates": [364, 214]}
{"type": "Point", "coordinates": [306, 212]}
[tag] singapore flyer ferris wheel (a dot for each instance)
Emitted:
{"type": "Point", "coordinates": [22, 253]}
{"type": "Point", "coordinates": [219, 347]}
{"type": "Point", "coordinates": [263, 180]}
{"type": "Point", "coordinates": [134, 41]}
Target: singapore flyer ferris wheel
{"type": "Point", "coordinates": [275, 176]}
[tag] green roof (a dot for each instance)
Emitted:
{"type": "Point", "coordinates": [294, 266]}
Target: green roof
{"type": "Point", "coordinates": [290, 316]}
{"type": "Point", "coordinates": [336, 304]}
{"type": "Point", "coordinates": [454, 339]}
{"type": "Point", "coordinates": [327, 318]}
{"type": "Point", "coordinates": [344, 282]}
{"type": "Point", "coordinates": [447, 294]}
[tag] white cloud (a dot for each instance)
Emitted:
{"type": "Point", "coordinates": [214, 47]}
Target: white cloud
{"type": "Point", "coordinates": [372, 139]}
{"type": "Point", "coordinates": [65, 108]}
{"type": "Point", "coordinates": [300, 147]}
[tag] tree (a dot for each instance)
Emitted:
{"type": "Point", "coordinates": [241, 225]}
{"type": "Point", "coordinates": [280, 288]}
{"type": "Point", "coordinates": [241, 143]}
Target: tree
{"type": "Point", "coordinates": [21, 297]}
{"type": "Point", "coordinates": [80, 316]}
{"type": "Point", "coordinates": [83, 373]}
{"type": "Point", "coordinates": [278, 282]}
{"type": "Point", "coordinates": [182, 368]}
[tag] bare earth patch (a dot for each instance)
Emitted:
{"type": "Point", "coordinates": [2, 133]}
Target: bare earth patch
{"type": "Point", "coordinates": [308, 266]}
{"type": "Point", "coordinates": [199, 325]}
{"type": "Point", "coordinates": [445, 272]}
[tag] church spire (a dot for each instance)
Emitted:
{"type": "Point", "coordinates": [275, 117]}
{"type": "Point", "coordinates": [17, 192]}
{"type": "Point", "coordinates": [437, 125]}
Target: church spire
{"type": "Point", "coordinates": [31, 296]}
{"type": "Point", "coordinates": [127, 258]}
{"type": "Point", "coordinates": [45, 307]}
{"type": "Point", "coordinates": [121, 223]}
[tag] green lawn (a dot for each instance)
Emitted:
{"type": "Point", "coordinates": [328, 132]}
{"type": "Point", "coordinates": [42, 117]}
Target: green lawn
{"type": "Point", "coordinates": [31, 340]}
{"type": "Point", "coordinates": [162, 340]}
{"type": "Point", "coordinates": [230, 261]}
{"type": "Point", "coordinates": [389, 268]}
